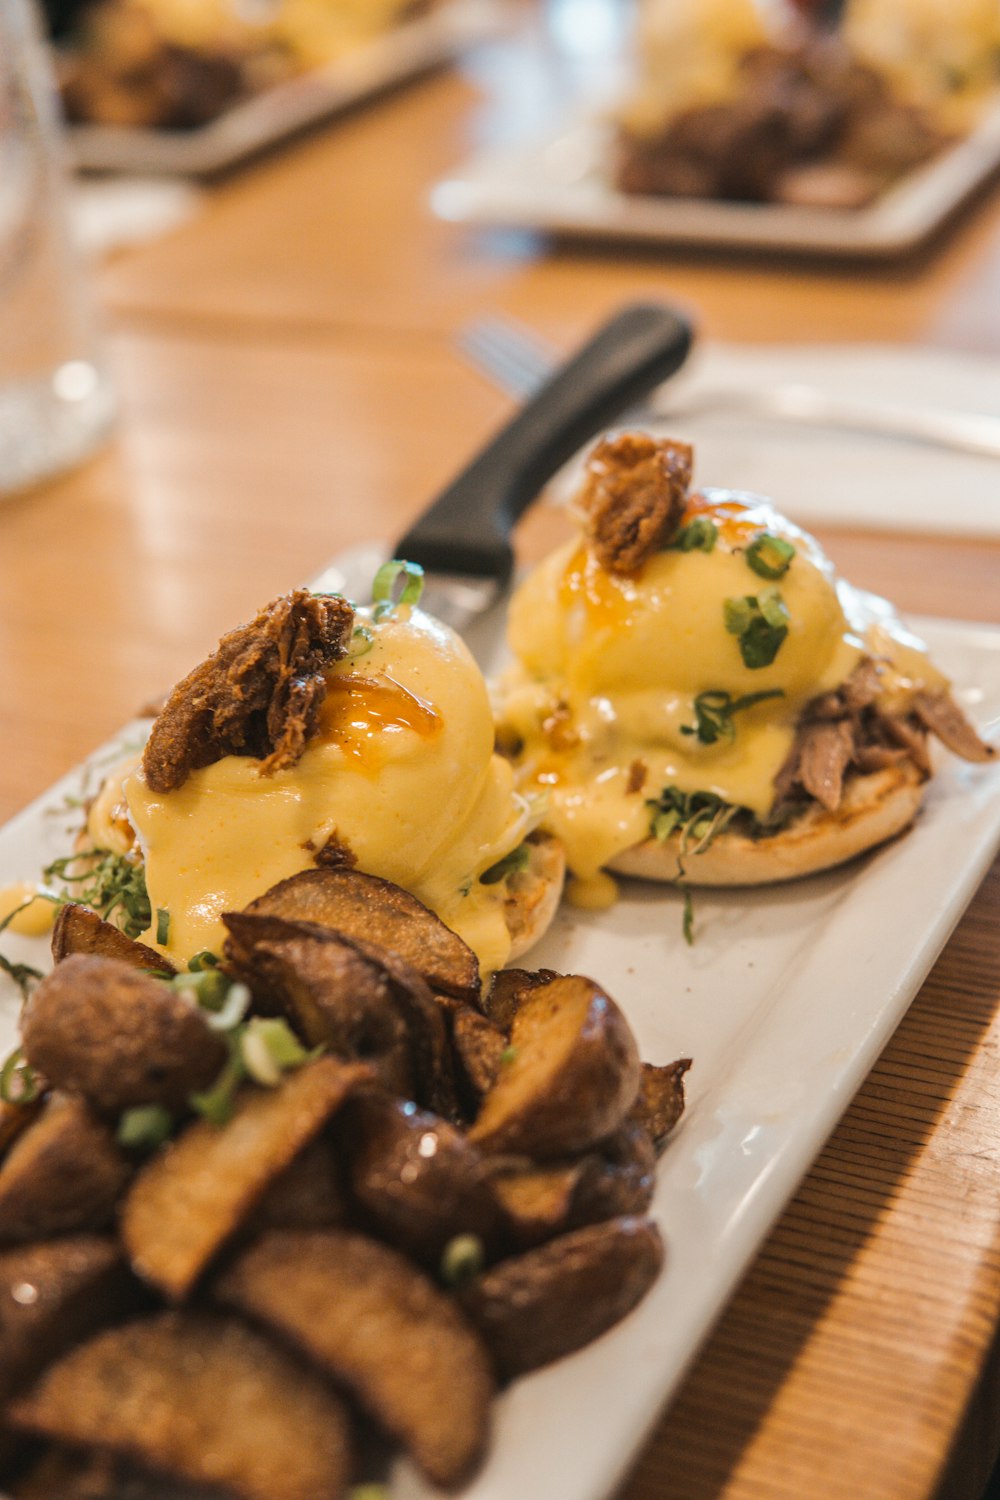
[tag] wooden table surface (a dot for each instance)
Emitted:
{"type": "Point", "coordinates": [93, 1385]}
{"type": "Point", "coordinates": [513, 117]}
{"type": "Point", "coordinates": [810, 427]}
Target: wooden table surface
{"type": "Point", "coordinates": [288, 385]}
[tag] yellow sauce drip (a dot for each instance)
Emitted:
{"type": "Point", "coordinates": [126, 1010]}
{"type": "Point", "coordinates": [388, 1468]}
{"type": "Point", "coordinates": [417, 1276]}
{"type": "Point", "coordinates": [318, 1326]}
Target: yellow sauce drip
{"type": "Point", "coordinates": [358, 710]}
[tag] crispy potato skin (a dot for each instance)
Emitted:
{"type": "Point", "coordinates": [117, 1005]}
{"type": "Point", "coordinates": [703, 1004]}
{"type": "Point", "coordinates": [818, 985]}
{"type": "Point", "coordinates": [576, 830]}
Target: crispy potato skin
{"type": "Point", "coordinates": [77, 1283]}
{"type": "Point", "coordinates": [660, 1101]}
{"type": "Point", "coordinates": [416, 1178]}
{"type": "Point", "coordinates": [367, 907]}
{"type": "Point", "coordinates": [536, 1307]}
{"type": "Point", "coordinates": [64, 1173]}
{"type": "Point", "coordinates": [572, 1077]}
{"type": "Point", "coordinates": [192, 1197]}
{"type": "Point", "coordinates": [77, 929]}
{"type": "Point", "coordinates": [366, 1315]}
{"type": "Point", "coordinates": [201, 1397]}
{"type": "Point", "coordinates": [99, 1028]}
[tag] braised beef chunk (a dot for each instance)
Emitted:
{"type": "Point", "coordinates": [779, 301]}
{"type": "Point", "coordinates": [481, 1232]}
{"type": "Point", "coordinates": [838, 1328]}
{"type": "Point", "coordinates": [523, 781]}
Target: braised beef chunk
{"type": "Point", "coordinates": [848, 729]}
{"type": "Point", "coordinates": [258, 694]}
{"type": "Point", "coordinates": [939, 713]}
{"type": "Point", "coordinates": [633, 498]}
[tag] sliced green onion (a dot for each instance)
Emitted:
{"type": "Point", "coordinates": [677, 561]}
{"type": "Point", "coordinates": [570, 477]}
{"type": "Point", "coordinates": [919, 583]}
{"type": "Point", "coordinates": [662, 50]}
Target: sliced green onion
{"type": "Point", "coordinates": [207, 988]}
{"type": "Point", "coordinates": [162, 925]}
{"type": "Point", "coordinates": [761, 624]}
{"type": "Point", "coordinates": [145, 1127]}
{"type": "Point", "coordinates": [699, 535]}
{"type": "Point", "coordinates": [507, 1056]}
{"type": "Point", "coordinates": [462, 1259]}
{"type": "Point", "coordinates": [388, 576]}
{"type": "Point", "coordinates": [770, 556]}
{"type": "Point", "coordinates": [269, 1048]}
{"type": "Point", "coordinates": [18, 1080]}
{"type": "Point", "coordinates": [231, 1011]}
{"type": "Point", "coordinates": [206, 959]}
{"type": "Point", "coordinates": [362, 641]}
{"type": "Point", "coordinates": [216, 1104]}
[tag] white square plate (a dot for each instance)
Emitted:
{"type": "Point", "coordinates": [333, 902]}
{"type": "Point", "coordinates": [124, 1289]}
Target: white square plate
{"type": "Point", "coordinates": [784, 1001]}
{"type": "Point", "coordinates": [268, 117]}
{"type": "Point", "coordinates": [564, 184]}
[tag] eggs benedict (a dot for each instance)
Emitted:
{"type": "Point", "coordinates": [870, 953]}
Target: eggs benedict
{"type": "Point", "coordinates": [321, 734]}
{"type": "Point", "coordinates": [700, 699]}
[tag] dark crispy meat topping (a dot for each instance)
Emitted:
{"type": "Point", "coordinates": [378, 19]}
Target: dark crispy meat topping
{"type": "Point", "coordinates": [633, 498]}
{"type": "Point", "coordinates": [258, 694]}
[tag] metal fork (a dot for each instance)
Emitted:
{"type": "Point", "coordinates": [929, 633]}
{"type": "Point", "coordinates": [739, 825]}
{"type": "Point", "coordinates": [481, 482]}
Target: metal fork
{"type": "Point", "coordinates": [517, 360]}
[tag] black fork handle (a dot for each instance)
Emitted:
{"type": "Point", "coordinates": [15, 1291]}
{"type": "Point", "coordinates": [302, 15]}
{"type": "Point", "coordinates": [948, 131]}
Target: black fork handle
{"type": "Point", "coordinates": [468, 528]}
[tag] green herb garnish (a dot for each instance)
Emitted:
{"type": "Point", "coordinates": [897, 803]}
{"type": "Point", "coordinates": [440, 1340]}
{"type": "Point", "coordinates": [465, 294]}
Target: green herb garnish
{"type": "Point", "coordinates": [144, 1127]}
{"type": "Point", "coordinates": [713, 712]}
{"type": "Point", "coordinates": [770, 556]}
{"type": "Point", "coordinates": [23, 975]}
{"type": "Point", "coordinates": [162, 926]}
{"type": "Point", "coordinates": [760, 622]}
{"type": "Point", "coordinates": [110, 884]}
{"type": "Point", "coordinates": [699, 535]}
{"type": "Point", "coordinates": [462, 1259]}
{"type": "Point", "coordinates": [698, 817]}
{"type": "Point", "coordinates": [687, 926]}
{"type": "Point", "coordinates": [507, 1056]}
{"type": "Point", "coordinates": [511, 864]}
{"type": "Point", "coordinates": [18, 1080]}
{"type": "Point", "coordinates": [384, 585]}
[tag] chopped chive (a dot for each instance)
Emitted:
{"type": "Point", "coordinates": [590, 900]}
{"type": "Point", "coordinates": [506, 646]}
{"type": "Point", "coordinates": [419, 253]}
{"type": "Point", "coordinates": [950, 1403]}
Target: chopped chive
{"type": "Point", "coordinates": [387, 578]}
{"type": "Point", "coordinates": [145, 1127]}
{"type": "Point", "coordinates": [216, 1104]}
{"type": "Point", "coordinates": [206, 959]}
{"type": "Point", "coordinates": [162, 925]}
{"type": "Point", "coordinates": [507, 1056]}
{"type": "Point", "coordinates": [688, 922]}
{"type": "Point", "coordinates": [760, 622]}
{"type": "Point", "coordinates": [362, 641]}
{"type": "Point", "coordinates": [462, 1259]}
{"type": "Point", "coordinates": [699, 535]}
{"type": "Point", "coordinates": [770, 556]}
{"type": "Point", "coordinates": [18, 1080]}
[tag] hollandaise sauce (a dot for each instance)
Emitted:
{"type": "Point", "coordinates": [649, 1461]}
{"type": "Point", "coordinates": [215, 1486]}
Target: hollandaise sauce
{"type": "Point", "coordinates": [401, 773]}
{"type": "Point", "coordinates": [691, 674]}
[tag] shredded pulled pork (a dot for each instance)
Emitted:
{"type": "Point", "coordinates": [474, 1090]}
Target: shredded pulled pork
{"type": "Point", "coordinates": [848, 729]}
{"type": "Point", "coordinates": [258, 694]}
{"type": "Point", "coordinates": [633, 498]}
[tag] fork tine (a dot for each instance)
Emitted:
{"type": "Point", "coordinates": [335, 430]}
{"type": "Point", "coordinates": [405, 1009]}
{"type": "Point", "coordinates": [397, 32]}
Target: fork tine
{"type": "Point", "coordinates": [512, 356]}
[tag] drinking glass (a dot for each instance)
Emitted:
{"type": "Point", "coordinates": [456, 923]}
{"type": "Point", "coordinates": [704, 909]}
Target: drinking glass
{"type": "Point", "coordinates": [56, 397]}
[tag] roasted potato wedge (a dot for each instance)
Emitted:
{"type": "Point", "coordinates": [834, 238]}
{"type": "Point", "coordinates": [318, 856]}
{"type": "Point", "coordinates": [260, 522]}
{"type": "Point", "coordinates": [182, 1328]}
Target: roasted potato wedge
{"type": "Point", "coordinates": [308, 1194]}
{"type": "Point", "coordinates": [64, 1173]}
{"type": "Point", "coordinates": [477, 1046]}
{"type": "Point", "coordinates": [53, 1294]}
{"type": "Point", "coordinates": [14, 1121]}
{"type": "Point", "coordinates": [417, 1179]}
{"type": "Point", "coordinates": [77, 929]}
{"type": "Point", "coordinates": [97, 1027]}
{"type": "Point", "coordinates": [508, 988]}
{"type": "Point", "coordinates": [536, 1307]}
{"type": "Point", "coordinates": [616, 1178]}
{"type": "Point", "coordinates": [660, 1101]}
{"type": "Point", "coordinates": [375, 910]}
{"type": "Point", "coordinates": [191, 1198]}
{"type": "Point", "coordinates": [359, 1000]}
{"type": "Point", "coordinates": [201, 1397]}
{"type": "Point", "coordinates": [374, 1322]}
{"type": "Point", "coordinates": [572, 1074]}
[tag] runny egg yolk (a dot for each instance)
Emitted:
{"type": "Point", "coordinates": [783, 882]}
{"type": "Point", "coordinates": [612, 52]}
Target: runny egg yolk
{"type": "Point", "coordinates": [600, 709]}
{"type": "Point", "coordinates": [401, 772]}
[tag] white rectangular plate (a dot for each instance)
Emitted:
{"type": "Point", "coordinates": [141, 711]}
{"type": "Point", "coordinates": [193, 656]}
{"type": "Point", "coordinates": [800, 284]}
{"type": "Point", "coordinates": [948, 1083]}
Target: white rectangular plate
{"type": "Point", "coordinates": [268, 117]}
{"type": "Point", "coordinates": [563, 184]}
{"type": "Point", "coordinates": [784, 1001]}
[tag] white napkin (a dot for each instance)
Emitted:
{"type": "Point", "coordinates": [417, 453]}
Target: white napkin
{"type": "Point", "coordinates": [108, 213]}
{"type": "Point", "coordinates": [838, 477]}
